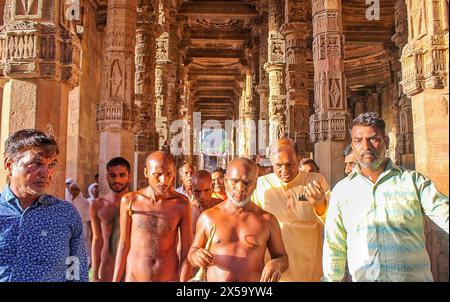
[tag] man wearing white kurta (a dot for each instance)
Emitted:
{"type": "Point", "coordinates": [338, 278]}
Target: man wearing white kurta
{"type": "Point", "coordinates": [298, 200]}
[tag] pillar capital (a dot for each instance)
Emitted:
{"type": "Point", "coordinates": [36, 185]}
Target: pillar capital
{"type": "Point", "coordinates": [424, 58]}
{"type": "Point", "coordinates": [34, 44]}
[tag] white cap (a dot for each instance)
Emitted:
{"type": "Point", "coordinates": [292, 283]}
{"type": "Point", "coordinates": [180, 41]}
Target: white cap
{"type": "Point", "coordinates": [69, 181]}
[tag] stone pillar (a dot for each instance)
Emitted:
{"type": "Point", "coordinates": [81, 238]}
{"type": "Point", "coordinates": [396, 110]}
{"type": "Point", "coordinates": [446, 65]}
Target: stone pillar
{"type": "Point", "coordinates": [263, 88]}
{"type": "Point", "coordinates": [116, 111]}
{"type": "Point", "coordinates": [294, 31]}
{"type": "Point", "coordinates": [185, 114]}
{"type": "Point", "coordinates": [40, 58]}
{"type": "Point", "coordinates": [163, 74]}
{"type": "Point", "coordinates": [425, 81]}
{"type": "Point", "coordinates": [247, 125]}
{"type": "Point", "coordinates": [173, 95]}
{"type": "Point", "coordinates": [144, 89]}
{"type": "Point", "coordinates": [82, 137]}
{"type": "Point", "coordinates": [328, 125]}
{"type": "Point", "coordinates": [275, 68]}
{"type": "Point", "coordinates": [404, 151]}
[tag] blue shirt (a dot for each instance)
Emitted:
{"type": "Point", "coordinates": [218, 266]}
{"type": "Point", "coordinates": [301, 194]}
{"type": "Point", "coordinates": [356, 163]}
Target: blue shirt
{"type": "Point", "coordinates": [43, 243]}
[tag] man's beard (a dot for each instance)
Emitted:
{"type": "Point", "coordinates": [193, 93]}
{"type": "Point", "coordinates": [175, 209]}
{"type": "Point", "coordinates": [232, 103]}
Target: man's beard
{"type": "Point", "coordinates": [123, 188]}
{"type": "Point", "coordinates": [237, 203]}
{"type": "Point", "coordinates": [375, 164]}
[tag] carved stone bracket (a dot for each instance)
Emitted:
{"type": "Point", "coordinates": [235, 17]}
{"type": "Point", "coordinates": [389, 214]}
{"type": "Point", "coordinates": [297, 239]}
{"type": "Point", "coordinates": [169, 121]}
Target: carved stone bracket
{"type": "Point", "coordinates": [31, 49]}
{"type": "Point", "coordinates": [328, 126]}
{"type": "Point", "coordinates": [115, 117]}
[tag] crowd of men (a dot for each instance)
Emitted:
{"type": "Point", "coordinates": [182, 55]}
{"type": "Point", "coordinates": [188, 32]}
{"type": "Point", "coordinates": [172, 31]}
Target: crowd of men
{"type": "Point", "coordinates": [287, 225]}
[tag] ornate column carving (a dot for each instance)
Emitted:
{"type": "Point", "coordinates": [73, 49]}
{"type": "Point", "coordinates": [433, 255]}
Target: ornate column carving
{"type": "Point", "coordinates": [263, 87]}
{"type": "Point", "coordinates": [425, 81]}
{"type": "Point", "coordinates": [165, 74]}
{"type": "Point", "coordinates": [294, 31]}
{"type": "Point", "coordinates": [424, 63]}
{"type": "Point", "coordinates": [404, 153]}
{"type": "Point", "coordinates": [328, 125]}
{"type": "Point", "coordinates": [40, 60]}
{"type": "Point", "coordinates": [144, 87]}
{"type": "Point", "coordinates": [424, 57]}
{"type": "Point", "coordinates": [34, 44]}
{"type": "Point", "coordinates": [247, 117]}
{"type": "Point", "coordinates": [116, 111]}
{"type": "Point", "coordinates": [275, 68]}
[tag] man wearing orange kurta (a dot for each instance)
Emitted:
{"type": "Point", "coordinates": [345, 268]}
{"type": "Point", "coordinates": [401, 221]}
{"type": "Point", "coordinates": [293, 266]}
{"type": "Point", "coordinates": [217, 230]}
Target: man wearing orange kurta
{"type": "Point", "coordinates": [298, 200]}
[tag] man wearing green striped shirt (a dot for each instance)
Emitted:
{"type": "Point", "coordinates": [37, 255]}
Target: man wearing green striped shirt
{"type": "Point", "coordinates": [375, 219]}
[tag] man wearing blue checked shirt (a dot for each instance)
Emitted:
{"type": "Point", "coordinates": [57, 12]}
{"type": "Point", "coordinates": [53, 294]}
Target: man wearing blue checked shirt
{"type": "Point", "coordinates": [41, 237]}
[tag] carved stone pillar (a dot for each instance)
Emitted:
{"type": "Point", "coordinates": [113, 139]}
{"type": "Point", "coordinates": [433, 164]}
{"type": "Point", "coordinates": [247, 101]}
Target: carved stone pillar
{"type": "Point", "coordinates": [404, 145]}
{"type": "Point", "coordinates": [247, 125]}
{"type": "Point", "coordinates": [116, 111]}
{"type": "Point", "coordinates": [294, 31]}
{"type": "Point", "coordinates": [275, 68]}
{"type": "Point", "coordinates": [185, 111]}
{"type": "Point", "coordinates": [173, 95]}
{"type": "Point", "coordinates": [40, 59]}
{"type": "Point", "coordinates": [425, 81]}
{"type": "Point", "coordinates": [263, 87]}
{"type": "Point", "coordinates": [163, 74]}
{"type": "Point", "coordinates": [328, 126]}
{"type": "Point", "coordinates": [144, 88]}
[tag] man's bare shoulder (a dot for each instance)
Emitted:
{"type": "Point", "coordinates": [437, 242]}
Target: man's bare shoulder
{"type": "Point", "coordinates": [212, 211]}
{"type": "Point", "coordinates": [216, 201]}
{"type": "Point", "coordinates": [179, 197]}
{"type": "Point", "coordinates": [266, 216]}
{"type": "Point", "coordinates": [98, 203]}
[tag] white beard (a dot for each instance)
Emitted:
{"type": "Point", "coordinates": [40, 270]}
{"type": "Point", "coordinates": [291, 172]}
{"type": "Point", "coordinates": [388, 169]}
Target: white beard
{"type": "Point", "coordinates": [239, 204]}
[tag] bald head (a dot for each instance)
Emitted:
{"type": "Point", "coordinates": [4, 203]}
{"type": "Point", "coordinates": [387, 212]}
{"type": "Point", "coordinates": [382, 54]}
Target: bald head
{"type": "Point", "coordinates": [285, 159]}
{"type": "Point", "coordinates": [240, 181]}
{"type": "Point", "coordinates": [201, 177]}
{"type": "Point", "coordinates": [202, 186]}
{"type": "Point", "coordinates": [160, 171]}
{"type": "Point", "coordinates": [244, 163]}
{"type": "Point", "coordinates": [159, 157]}
{"type": "Point", "coordinates": [283, 144]}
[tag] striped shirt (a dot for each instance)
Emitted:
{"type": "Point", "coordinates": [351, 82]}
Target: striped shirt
{"type": "Point", "coordinates": [379, 227]}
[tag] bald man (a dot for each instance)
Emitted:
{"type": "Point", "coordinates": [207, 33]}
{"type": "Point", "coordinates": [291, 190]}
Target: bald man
{"type": "Point", "coordinates": [243, 233]}
{"type": "Point", "coordinates": [149, 223]}
{"type": "Point", "coordinates": [202, 190]}
{"type": "Point", "coordinates": [298, 200]}
{"type": "Point", "coordinates": [185, 172]}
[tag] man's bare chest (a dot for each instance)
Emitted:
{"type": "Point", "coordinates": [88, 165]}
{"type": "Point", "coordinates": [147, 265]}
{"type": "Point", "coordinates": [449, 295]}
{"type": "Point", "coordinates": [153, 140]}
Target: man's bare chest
{"type": "Point", "coordinates": [241, 234]}
{"type": "Point", "coordinates": [155, 221]}
{"type": "Point", "coordinates": [107, 213]}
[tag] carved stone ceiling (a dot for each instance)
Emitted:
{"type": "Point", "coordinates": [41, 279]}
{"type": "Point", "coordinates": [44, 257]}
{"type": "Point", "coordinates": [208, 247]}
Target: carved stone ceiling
{"type": "Point", "coordinates": [218, 32]}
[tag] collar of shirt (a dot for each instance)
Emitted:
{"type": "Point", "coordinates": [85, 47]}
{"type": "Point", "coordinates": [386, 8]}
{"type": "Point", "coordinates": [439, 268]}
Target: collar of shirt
{"type": "Point", "coordinates": [293, 183]}
{"type": "Point", "coordinates": [390, 167]}
{"type": "Point", "coordinates": [9, 197]}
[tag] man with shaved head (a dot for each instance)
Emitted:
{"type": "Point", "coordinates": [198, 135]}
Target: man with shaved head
{"type": "Point", "coordinates": [149, 223]}
{"type": "Point", "coordinates": [185, 172]}
{"type": "Point", "coordinates": [243, 233]}
{"type": "Point", "coordinates": [202, 190]}
{"type": "Point", "coordinates": [298, 200]}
